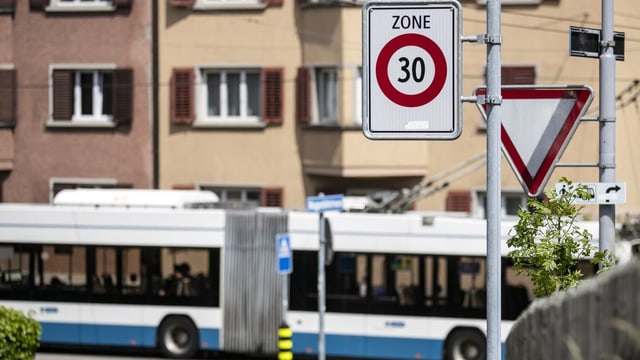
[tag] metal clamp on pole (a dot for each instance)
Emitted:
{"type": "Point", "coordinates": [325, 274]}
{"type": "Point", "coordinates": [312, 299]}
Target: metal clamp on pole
{"type": "Point", "coordinates": [491, 39]}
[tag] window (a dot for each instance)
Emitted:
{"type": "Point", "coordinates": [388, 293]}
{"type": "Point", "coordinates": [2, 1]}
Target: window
{"type": "Point", "coordinates": [245, 197]}
{"type": "Point", "coordinates": [326, 80]}
{"type": "Point", "coordinates": [129, 274]}
{"type": "Point", "coordinates": [226, 97]}
{"type": "Point", "coordinates": [7, 97]}
{"type": "Point", "coordinates": [231, 95]}
{"type": "Point", "coordinates": [92, 96]}
{"type": "Point", "coordinates": [511, 203]}
{"type": "Point", "coordinates": [317, 97]}
{"type": "Point", "coordinates": [83, 5]}
{"type": "Point", "coordinates": [83, 2]}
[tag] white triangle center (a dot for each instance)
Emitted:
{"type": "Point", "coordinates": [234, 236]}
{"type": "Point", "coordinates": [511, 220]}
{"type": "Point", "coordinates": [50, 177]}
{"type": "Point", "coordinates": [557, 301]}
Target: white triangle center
{"type": "Point", "coordinates": [533, 126]}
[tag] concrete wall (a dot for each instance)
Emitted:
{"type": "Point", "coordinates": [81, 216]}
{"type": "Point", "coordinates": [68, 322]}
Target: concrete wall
{"type": "Point", "coordinates": [600, 319]}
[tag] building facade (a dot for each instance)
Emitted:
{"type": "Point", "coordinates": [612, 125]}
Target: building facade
{"type": "Point", "coordinates": [77, 75]}
{"type": "Point", "coordinates": [260, 101]}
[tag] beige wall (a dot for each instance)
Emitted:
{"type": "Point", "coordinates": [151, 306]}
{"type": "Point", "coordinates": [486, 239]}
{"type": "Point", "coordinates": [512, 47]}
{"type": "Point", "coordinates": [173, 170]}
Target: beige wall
{"type": "Point", "coordinates": [291, 36]}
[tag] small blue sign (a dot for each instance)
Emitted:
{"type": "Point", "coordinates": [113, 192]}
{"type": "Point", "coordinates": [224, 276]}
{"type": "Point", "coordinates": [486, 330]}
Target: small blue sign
{"type": "Point", "coordinates": [324, 203]}
{"type": "Point", "coordinates": [285, 259]}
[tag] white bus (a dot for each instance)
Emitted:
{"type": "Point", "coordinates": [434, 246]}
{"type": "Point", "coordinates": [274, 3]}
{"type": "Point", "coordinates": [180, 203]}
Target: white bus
{"type": "Point", "coordinates": [106, 276]}
{"type": "Point", "coordinates": [408, 286]}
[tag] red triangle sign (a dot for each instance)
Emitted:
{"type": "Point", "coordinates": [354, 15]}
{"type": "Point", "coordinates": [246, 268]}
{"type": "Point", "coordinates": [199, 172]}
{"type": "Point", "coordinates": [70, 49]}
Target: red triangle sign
{"type": "Point", "coordinates": [537, 124]}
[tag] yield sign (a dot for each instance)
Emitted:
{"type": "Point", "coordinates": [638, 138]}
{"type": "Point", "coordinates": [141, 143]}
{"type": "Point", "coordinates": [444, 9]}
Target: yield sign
{"type": "Point", "coordinates": [537, 124]}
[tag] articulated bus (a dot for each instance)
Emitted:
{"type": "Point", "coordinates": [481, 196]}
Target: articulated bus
{"type": "Point", "coordinates": [181, 280]}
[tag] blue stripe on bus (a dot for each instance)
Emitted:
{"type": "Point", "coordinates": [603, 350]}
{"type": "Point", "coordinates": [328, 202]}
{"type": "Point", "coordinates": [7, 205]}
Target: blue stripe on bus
{"type": "Point", "coordinates": [370, 347]}
{"type": "Point", "coordinates": [114, 335]}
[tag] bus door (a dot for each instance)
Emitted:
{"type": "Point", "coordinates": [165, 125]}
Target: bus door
{"type": "Point", "coordinates": [113, 315]}
{"type": "Point", "coordinates": [60, 286]}
{"type": "Point", "coordinates": [346, 303]}
{"type": "Point", "coordinates": [396, 298]}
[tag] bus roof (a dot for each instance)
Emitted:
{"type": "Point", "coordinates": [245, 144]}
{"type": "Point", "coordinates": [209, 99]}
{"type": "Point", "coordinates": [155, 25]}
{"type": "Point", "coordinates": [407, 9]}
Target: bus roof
{"type": "Point", "coordinates": [136, 198]}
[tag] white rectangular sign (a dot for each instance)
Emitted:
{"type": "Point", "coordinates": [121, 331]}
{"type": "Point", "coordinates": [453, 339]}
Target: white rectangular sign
{"type": "Point", "coordinates": [411, 64]}
{"type": "Point", "coordinates": [601, 193]}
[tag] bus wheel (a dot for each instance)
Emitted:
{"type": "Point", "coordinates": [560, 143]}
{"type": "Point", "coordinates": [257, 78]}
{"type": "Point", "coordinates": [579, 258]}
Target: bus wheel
{"type": "Point", "coordinates": [178, 337]}
{"type": "Point", "coordinates": [466, 344]}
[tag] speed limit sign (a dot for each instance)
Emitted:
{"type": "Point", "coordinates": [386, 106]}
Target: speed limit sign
{"type": "Point", "coordinates": [411, 64]}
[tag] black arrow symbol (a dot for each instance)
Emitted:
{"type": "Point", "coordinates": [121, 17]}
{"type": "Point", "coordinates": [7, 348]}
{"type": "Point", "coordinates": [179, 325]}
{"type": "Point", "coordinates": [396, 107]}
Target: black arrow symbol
{"type": "Point", "coordinates": [613, 189]}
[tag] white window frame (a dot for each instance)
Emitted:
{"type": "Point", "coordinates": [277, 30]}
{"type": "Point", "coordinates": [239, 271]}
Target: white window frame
{"type": "Point", "coordinates": [202, 96]}
{"type": "Point", "coordinates": [80, 5]}
{"type": "Point", "coordinates": [319, 101]}
{"type": "Point", "coordinates": [97, 97]}
{"type": "Point", "coordinates": [228, 4]}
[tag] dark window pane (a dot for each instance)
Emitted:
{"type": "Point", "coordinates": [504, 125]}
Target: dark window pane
{"type": "Point", "coordinates": [86, 93]}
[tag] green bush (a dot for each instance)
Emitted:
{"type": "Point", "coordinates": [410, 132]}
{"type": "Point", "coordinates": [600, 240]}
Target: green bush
{"type": "Point", "coordinates": [19, 335]}
{"type": "Point", "coordinates": [548, 242]}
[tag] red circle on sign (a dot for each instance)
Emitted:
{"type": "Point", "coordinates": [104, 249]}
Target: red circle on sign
{"type": "Point", "coordinates": [439, 77]}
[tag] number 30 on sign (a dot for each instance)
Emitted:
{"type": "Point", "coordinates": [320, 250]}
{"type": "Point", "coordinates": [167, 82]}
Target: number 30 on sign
{"type": "Point", "coordinates": [411, 69]}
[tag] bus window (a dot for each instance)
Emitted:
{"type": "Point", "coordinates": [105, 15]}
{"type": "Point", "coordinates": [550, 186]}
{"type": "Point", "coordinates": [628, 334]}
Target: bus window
{"type": "Point", "coordinates": [63, 272]}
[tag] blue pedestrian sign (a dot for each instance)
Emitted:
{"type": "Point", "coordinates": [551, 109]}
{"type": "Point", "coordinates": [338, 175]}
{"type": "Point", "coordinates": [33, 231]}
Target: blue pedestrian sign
{"type": "Point", "coordinates": [285, 259]}
{"type": "Point", "coordinates": [324, 203]}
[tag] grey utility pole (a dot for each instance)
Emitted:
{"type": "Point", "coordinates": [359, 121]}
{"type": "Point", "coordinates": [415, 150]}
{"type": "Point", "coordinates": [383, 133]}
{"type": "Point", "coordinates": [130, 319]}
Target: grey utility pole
{"type": "Point", "coordinates": [607, 124]}
{"type": "Point", "coordinates": [493, 40]}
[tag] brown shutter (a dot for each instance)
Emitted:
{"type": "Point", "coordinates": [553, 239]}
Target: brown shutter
{"type": "Point", "coordinates": [273, 2]}
{"type": "Point", "coordinates": [7, 5]}
{"type": "Point", "coordinates": [62, 95]}
{"type": "Point", "coordinates": [303, 95]}
{"type": "Point", "coordinates": [518, 75]}
{"type": "Point", "coordinates": [122, 3]}
{"type": "Point", "coordinates": [8, 97]}
{"type": "Point", "coordinates": [183, 187]}
{"type": "Point", "coordinates": [272, 197]}
{"type": "Point", "coordinates": [272, 89]}
{"type": "Point", "coordinates": [123, 96]}
{"type": "Point", "coordinates": [182, 96]}
{"type": "Point", "coordinates": [459, 200]}
{"type": "Point", "coordinates": [183, 3]}
{"type": "Point", "coordinates": [38, 4]}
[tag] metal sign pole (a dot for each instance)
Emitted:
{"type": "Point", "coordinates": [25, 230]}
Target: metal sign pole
{"type": "Point", "coordinates": [321, 291]}
{"type": "Point", "coordinates": [607, 124]}
{"type": "Point", "coordinates": [494, 102]}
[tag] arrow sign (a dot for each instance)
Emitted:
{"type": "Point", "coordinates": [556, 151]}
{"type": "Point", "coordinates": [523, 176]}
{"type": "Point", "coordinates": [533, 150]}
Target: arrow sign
{"type": "Point", "coordinates": [537, 124]}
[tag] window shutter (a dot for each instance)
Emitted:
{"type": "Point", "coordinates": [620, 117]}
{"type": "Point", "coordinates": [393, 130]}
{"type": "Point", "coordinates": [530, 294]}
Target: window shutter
{"type": "Point", "coordinates": [303, 95]}
{"type": "Point", "coordinates": [182, 96]}
{"type": "Point", "coordinates": [183, 187]}
{"type": "Point", "coordinates": [459, 200]}
{"type": "Point", "coordinates": [122, 3]}
{"type": "Point", "coordinates": [273, 2]}
{"type": "Point", "coordinates": [518, 75]}
{"type": "Point", "coordinates": [8, 97]}
{"type": "Point", "coordinates": [123, 96]}
{"type": "Point", "coordinates": [183, 3]}
{"type": "Point", "coordinates": [38, 4]}
{"type": "Point", "coordinates": [272, 197]}
{"type": "Point", "coordinates": [62, 95]}
{"type": "Point", "coordinates": [272, 89]}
